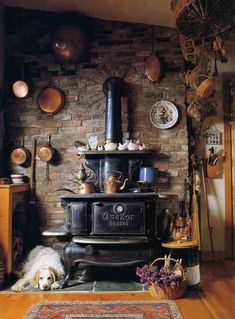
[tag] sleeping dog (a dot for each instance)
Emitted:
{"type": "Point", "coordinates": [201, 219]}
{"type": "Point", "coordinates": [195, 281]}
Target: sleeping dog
{"type": "Point", "coordinates": [43, 269]}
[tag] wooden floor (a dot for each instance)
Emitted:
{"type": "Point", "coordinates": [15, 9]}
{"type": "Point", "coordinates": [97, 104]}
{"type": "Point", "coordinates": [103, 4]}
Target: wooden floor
{"type": "Point", "coordinates": [215, 301]}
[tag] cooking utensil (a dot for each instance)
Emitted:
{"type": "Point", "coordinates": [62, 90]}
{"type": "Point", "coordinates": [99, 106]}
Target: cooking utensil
{"type": "Point", "coordinates": [20, 155]}
{"type": "Point", "coordinates": [68, 44]}
{"type": "Point", "coordinates": [113, 183]}
{"type": "Point", "coordinates": [85, 188]}
{"type": "Point", "coordinates": [46, 152]}
{"type": "Point", "coordinates": [20, 87]}
{"type": "Point", "coordinates": [82, 189]}
{"type": "Point", "coordinates": [153, 64]}
{"type": "Point", "coordinates": [81, 175]}
{"type": "Point", "coordinates": [51, 100]}
{"type": "Point", "coordinates": [47, 180]}
{"type": "Point", "coordinates": [147, 175]}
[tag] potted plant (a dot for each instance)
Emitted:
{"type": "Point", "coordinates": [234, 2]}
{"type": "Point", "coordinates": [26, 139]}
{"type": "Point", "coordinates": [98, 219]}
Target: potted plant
{"type": "Point", "coordinates": [165, 281]}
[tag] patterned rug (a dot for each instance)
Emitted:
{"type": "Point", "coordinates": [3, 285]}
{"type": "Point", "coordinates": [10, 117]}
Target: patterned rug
{"type": "Point", "coordinates": [162, 309]}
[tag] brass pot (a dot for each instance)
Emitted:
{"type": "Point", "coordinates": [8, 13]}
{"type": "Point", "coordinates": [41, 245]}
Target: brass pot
{"type": "Point", "coordinates": [85, 188]}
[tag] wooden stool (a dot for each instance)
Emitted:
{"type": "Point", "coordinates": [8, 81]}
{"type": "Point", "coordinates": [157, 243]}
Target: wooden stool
{"type": "Point", "coordinates": [188, 252]}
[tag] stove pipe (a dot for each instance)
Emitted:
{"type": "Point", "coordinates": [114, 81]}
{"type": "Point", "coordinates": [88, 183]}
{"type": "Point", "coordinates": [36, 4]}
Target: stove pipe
{"type": "Point", "coordinates": [113, 89]}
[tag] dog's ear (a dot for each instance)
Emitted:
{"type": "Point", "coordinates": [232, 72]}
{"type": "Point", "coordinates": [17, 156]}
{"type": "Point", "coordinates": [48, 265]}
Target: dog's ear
{"type": "Point", "coordinates": [54, 274]}
{"type": "Point", "coordinates": [36, 279]}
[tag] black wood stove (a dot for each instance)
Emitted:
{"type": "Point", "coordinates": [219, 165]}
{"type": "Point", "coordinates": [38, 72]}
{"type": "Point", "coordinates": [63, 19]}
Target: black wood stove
{"type": "Point", "coordinates": [110, 229]}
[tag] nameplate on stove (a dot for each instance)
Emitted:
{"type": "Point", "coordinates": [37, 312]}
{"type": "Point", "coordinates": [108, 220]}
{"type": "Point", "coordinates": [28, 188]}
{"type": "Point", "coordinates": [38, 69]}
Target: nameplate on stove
{"type": "Point", "coordinates": [118, 218]}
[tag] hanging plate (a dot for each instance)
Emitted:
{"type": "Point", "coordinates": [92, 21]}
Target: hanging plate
{"type": "Point", "coordinates": [164, 114]}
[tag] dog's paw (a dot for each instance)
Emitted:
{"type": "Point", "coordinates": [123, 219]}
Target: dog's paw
{"type": "Point", "coordinates": [20, 285]}
{"type": "Point", "coordinates": [55, 285]}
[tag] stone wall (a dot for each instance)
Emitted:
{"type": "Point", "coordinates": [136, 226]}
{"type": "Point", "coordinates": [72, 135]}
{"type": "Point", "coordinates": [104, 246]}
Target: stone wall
{"type": "Point", "coordinates": [117, 49]}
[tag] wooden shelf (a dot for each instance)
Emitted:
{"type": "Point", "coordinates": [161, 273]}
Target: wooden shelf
{"type": "Point", "coordinates": [116, 152]}
{"type": "Point", "coordinates": [6, 211]}
{"type": "Point", "coordinates": [15, 188]}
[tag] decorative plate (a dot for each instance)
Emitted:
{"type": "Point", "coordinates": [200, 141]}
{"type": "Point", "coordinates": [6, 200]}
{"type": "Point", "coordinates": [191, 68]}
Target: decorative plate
{"type": "Point", "coordinates": [164, 114]}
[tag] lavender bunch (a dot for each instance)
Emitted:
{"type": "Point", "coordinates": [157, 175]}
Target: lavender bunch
{"type": "Point", "coordinates": [152, 275]}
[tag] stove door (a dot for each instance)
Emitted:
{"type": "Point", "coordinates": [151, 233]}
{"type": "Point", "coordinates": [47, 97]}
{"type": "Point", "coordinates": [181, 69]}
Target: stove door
{"type": "Point", "coordinates": [118, 218]}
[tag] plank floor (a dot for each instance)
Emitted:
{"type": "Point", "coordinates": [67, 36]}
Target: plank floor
{"type": "Point", "coordinates": [216, 300]}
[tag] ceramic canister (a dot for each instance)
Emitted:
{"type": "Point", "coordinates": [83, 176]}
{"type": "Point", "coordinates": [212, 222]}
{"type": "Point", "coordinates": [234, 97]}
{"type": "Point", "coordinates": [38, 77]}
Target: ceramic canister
{"type": "Point", "coordinates": [147, 175]}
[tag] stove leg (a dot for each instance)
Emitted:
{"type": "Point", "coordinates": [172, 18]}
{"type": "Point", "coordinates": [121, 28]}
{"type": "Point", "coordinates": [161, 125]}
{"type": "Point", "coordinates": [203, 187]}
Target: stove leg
{"type": "Point", "coordinates": [68, 271]}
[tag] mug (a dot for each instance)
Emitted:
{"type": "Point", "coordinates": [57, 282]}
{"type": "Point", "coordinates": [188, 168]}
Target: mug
{"type": "Point", "coordinates": [147, 175]}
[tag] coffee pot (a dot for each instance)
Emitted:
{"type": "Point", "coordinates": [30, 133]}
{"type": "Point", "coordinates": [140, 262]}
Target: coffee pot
{"type": "Point", "coordinates": [113, 182]}
{"type": "Point", "coordinates": [81, 174]}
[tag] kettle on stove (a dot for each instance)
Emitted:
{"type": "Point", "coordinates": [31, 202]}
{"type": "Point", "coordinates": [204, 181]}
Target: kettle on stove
{"type": "Point", "coordinates": [113, 182]}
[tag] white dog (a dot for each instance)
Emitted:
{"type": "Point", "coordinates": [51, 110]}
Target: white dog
{"type": "Point", "coordinates": [43, 269]}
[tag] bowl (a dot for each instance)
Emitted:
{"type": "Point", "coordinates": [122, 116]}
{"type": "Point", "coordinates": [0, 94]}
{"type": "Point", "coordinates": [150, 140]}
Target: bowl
{"type": "Point", "coordinates": [17, 178]}
{"type": "Point", "coordinates": [17, 175]}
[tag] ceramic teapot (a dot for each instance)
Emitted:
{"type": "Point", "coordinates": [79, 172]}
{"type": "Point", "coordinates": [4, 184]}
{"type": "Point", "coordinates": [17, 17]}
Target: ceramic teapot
{"type": "Point", "coordinates": [110, 146]}
{"type": "Point", "coordinates": [113, 183]}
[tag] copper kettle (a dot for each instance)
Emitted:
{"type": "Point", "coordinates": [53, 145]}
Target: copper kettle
{"type": "Point", "coordinates": [113, 183]}
{"type": "Point", "coordinates": [85, 188]}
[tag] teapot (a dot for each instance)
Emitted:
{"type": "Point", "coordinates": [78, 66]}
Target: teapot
{"type": "Point", "coordinates": [81, 174]}
{"type": "Point", "coordinates": [83, 188]}
{"type": "Point", "coordinates": [113, 183]}
{"type": "Point", "coordinates": [110, 146]}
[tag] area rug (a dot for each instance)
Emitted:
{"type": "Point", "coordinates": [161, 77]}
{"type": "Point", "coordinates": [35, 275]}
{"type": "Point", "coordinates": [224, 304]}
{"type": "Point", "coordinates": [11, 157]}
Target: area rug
{"type": "Point", "coordinates": [163, 309]}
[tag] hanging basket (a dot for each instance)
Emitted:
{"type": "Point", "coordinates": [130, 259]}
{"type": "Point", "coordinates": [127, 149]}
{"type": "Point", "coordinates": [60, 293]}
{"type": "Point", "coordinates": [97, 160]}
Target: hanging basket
{"type": "Point", "coordinates": [2, 268]}
{"type": "Point", "coordinates": [168, 292]}
{"type": "Point", "coordinates": [202, 18]}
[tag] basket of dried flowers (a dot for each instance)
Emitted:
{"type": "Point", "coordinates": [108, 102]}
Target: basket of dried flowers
{"type": "Point", "coordinates": [164, 282]}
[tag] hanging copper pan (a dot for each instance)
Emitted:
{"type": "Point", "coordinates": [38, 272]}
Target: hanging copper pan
{"type": "Point", "coordinates": [153, 63]}
{"type": "Point", "coordinates": [46, 152]}
{"type": "Point", "coordinates": [51, 100]}
{"type": "Point", "coordinates": [153, 68]}
{"type": "Point", "coordinates": [20, 155]}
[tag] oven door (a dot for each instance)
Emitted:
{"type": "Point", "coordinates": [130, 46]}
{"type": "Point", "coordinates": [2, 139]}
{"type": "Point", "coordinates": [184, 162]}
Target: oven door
{"type": "Point", "coordinates": [118, 218]}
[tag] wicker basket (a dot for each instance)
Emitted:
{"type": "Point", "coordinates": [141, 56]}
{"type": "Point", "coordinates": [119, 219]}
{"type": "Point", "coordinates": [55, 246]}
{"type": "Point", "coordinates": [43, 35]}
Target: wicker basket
{"type": "Point", "coordinates": [197, 19]}
{"type": "Point", "coordinates": [2, 268]}
{"type": "Point", "coordinates": [169, 293]}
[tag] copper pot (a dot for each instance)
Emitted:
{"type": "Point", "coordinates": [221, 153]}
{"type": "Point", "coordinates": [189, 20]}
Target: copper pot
{"type": "Point", "coordinates": [113, 183]}
{"type": "Point", "coordinates": [46, 152]}
{"type": "Point", "coordinates": [85, 188]}
{"type": "Point", "coordinates": [51, 100]}
{"type": "Point", "coordinates": [20, 155]}
{"type": "Point", "coordinates": [68, 44]}
{"type": "Point", "coordinates": [82, 189]}
{"type": "Point", "coordinates": [20, 89]}
{"type": "Point", "coordinates": [153, 68]}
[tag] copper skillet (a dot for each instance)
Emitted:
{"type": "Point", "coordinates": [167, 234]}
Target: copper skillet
{"type": "Point", "coordinates": [51, 100]}
{"type": "Point", "coordinates": [153, 64]}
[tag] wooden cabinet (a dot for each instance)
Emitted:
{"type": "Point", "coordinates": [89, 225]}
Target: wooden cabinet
{"type": "Point", "coordinates": [6, 211]}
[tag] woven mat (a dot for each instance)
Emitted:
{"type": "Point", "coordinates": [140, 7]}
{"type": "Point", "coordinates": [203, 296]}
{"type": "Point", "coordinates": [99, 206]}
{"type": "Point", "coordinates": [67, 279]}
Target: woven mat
{"type": "Point", "coordinates": [163, 309]}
